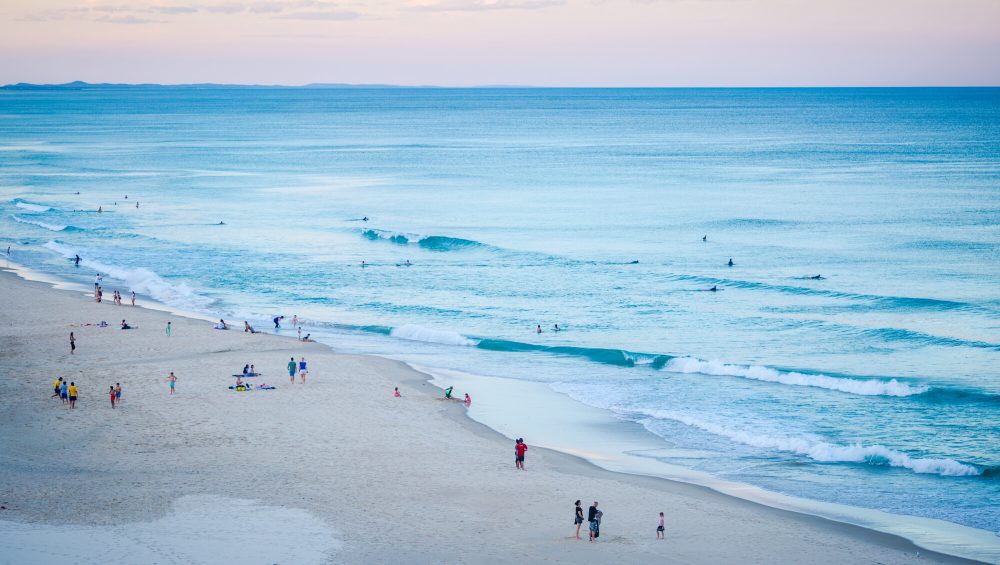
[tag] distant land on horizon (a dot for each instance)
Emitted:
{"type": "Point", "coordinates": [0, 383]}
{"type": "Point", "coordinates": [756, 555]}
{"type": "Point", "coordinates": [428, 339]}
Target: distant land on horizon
{"type": "Point", "coordinates": [82, 85]}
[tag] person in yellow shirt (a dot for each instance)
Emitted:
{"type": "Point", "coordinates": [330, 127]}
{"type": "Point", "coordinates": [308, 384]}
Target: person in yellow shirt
{"type": "Point", "coordinates": [55, 387]}
{"type": "Point", "coordinates": [72, 395]}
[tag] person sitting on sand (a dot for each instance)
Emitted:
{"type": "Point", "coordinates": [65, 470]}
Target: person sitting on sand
{"type": "Point", "coordinates": [125, 326]}
{"type": "Point", "coordinates": [395, 392]}
{"type": "Point", "coordinates": [447, 392]}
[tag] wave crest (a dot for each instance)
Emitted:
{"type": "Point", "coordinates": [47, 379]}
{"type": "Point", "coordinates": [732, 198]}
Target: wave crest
{"type": "Point", "coordinates": [141, 280]}
{"type": "Point", "coordinates": [31, 206]}
{"type": "Point", "coordinates": [867, 387]}
{"type": "Point", "coordinates": [431, 242]}
{"type": "Point", "coordinates": [414, 332]}
{"type": "Point", "coordinates": [51, 227]}
{"type": "Point", "coordinates": [826, 452]}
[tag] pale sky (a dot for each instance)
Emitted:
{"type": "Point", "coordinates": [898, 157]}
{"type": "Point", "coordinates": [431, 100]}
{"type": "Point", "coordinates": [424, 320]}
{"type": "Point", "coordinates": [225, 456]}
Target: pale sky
{"type": "Point", "coordinates": [527, 42]}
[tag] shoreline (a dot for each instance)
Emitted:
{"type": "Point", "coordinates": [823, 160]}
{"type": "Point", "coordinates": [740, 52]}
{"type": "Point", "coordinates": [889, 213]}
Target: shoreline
{"type": "Point", "coordinates": [556, 461]}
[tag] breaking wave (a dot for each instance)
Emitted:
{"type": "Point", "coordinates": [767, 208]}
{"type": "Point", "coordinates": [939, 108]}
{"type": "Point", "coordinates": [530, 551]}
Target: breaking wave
{"type": "Point", "coordinates": [51, 227]}
{"type": "Point", "coordinates": [419, 333]}
{"type": "Point", "coordinates": [140, 280]}
{"type": "Point", "coordinates": [431, 242]}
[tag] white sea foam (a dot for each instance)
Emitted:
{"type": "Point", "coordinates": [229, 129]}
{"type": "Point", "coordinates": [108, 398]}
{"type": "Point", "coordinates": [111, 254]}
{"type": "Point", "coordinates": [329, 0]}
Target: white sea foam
{"type": "Point", "coordinates": [23, 220]}
{"type": "Point", "coordinates": [867, 387]}
{"type": "Point", "coordinates": [819, 450]}
{"type": "Point", "coordinates": [418, 333]}
{"type": "Point", "coordinates": [32, 207]}
{"type": "Point", "coordinates": [140, 280]}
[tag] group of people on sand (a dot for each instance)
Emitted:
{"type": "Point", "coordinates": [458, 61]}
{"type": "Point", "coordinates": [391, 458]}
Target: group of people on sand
{"type": "Point", "coordinates": [448, 396]}
{"type": "Point", "coordinates": [594, 517]}
{"type": "Point", "coordinates": [65, 390]}
{"type": "Point", "coordinates": [302, 368]}
{"type": "Point", "coordinates": [115, 392]}
{"type": "Point", "coordinates": [99, 292]}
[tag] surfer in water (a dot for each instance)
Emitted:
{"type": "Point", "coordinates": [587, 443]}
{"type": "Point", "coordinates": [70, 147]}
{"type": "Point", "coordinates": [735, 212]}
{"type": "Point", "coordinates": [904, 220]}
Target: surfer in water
{"type": "Point", "coordinates": [100, 209]}
{"type": "Point", "coordinates": [76, 260]}
{"type": "Point", "coordinates": [555, 328]}
{"type": "Point", "coordinates": [730, 262]}
{"type": "Point", "coordinates": [221, 223]}
{"type": "Point", "coordinates": [817, 278]}
{"type": "Point", "coordinates": [365, 219]}
{"type": "Point", "coordinates": [714, 289]}
{"type": "Point", "coordinates": [704, 237]}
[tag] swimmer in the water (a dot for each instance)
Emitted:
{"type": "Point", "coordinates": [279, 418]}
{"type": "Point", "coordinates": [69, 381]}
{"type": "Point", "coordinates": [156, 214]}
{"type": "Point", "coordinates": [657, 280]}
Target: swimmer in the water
{"type": "Point", "coordinates": [817, 278]}
{"type": "Point", "coordinates": [222, 223]}
{"type": "Point", "coordinates": [704, 238]}
{"type": "Point", "coordinates": [634, 262]}
{"type": "Point", "coordinates": [730, 262]}
{"type": "Point", "coordinates": [555, 328]}
{"type": "Point", "coordinates": [362, 263]}
{"type": "Point", "coordinates": [365, 219]}
{"type": "Point", "coordinates": [538, 330]}
{"type": "Point", "coordinates": [99, 209]}
{"type": "Point", "coordinates": [714, 289]}
{"type": "Point", "coordinates": [76, 261]}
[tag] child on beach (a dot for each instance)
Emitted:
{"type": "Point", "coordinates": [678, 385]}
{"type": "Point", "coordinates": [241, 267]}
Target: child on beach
{"type": "Point", "coordinates": [173, 381]}
{"type": "Point", "coordinates": [56, 386]}
{"type": "Point", "coordinates": [291, 370]}
{"type": "Point", "coordinates": [468, 400]}
{"type": "Point", "coordinates": [72, 394]}
{"type": "Point", "coordinates": [395, 392]}
{"type": "Point", "coordinates": [519, 448]}
{"type": "Point", "coordinates": [111, 393]}
{"type": "Point", "coordinates": [659, 528]}
{"type": "Point", "coordinates": [64, 391]}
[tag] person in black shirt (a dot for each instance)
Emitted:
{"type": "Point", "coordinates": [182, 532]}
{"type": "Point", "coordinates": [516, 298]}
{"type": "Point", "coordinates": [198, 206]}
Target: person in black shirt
{"type": "Point", "coordinates": [592, 518]}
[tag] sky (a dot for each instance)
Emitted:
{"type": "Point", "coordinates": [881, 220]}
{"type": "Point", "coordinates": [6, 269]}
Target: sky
{"type": "Point", "coordinates": [516, 42]}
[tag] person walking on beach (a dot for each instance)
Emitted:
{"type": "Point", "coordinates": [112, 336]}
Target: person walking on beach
{"type": "Point", "coordinates": [168, 329]}
{"type": "Point", "coordinates": [64, 391]}
{"type": "Point", "coordinates": [592, 520]}
{"type": "Point", "coordinates": [578, 518]}
{"type": "Point", "coordinates": [118, 393]}
{"type": "Point", "coordinates": [56, 386]}
{"type": "Point", "coordinates": [72, 344]}
{"type": "Point", "coordinates": [111, 393]}
{"type": "Point", "coordinates": [173, 382]}
{"type": "Point", "coordinates": [519, 448]}
{"type": "Point", "coordinates": [302, 370]}
{"type": "Point", "coordinates": [659, 528]}
{"type": "Point", "coordinates": [291, 370]}
{"type": "Point", "coordinates": [72, 394]}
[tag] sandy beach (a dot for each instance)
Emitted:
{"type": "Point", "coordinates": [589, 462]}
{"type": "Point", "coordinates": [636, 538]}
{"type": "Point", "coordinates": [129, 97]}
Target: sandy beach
{"type": "Point", "coordinates": [335, 470]}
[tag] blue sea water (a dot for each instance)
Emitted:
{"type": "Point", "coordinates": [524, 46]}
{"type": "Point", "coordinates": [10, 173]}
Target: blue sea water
{"type": "Point", "coordinates": [876, 385]}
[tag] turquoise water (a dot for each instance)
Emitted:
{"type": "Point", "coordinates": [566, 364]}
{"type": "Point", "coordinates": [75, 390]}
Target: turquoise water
{"type": "Point", "coordinates": [875, 385]}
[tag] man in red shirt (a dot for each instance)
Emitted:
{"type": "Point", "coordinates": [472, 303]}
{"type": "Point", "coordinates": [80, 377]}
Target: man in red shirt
{"type": "Point", "coordinates": [519, 448]}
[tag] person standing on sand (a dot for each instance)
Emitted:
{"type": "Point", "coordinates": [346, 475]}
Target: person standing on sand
{"type": "Point", "coordinates": [577, 517]}
{"type": "Point", "coordinates": [168, 329]}
{"type": "Point", "coordinates": [111, 393]}
{"type": "Point", "coordinates": [173, 382]}
{"type": "Point", "coordinates": [64, 391]}
{"type": "Point", "coordinates": [72, 394]}
{"type": "Point", "coordinates": [55, 388]}
{"type": "Point", "coordinates": [592, 520]}
{"type": "Point", "coordinates": [519, 448]}
{"type": "Point", "coordinates": [302, 370]}
{"type": "Point", "coordinates": [118, 393]}
{"type": "Point", "coordinates": [468, 400]}
{"type": "Point", "coordinates": [72, 344]}
{"type": "Point", "coordinates": [659, 528]}
{"type": "Point", "coordinates": [300, 333]}
{"type": "Point", "coordinates": [295, 320]}
{"type": "Point", "coordinates": [133, 298]}
{"type": "Point", "coordinates": [291, 370]}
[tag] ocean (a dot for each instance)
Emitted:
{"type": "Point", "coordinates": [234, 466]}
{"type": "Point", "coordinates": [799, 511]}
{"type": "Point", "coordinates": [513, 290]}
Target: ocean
{"type": "Point", "coordinates": [848, 354]}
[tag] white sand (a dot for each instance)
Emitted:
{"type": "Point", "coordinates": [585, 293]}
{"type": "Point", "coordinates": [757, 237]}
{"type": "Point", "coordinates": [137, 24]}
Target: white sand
{"type": "Point", "coordinates": [408, 480]}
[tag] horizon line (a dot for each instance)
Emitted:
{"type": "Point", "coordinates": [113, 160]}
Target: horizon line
{"type": "Point", "coordinates": [84, 84]}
